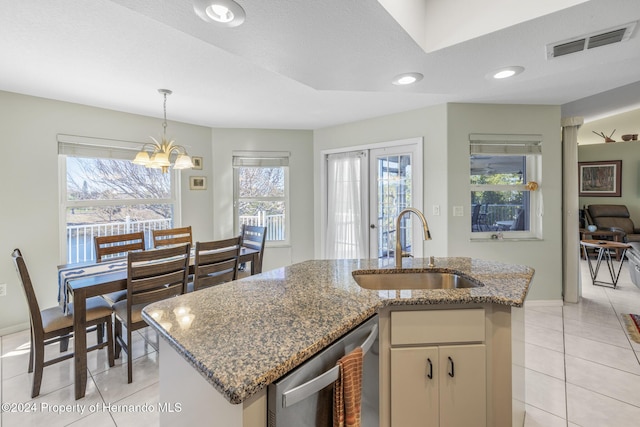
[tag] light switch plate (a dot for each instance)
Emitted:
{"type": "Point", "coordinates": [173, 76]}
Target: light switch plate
{"type": "Point", "coordinates": [436, 210]}
{"type": "Point", "coordinates": [3, 289]}
{"type": "Point", "coordinates": [458, 211]}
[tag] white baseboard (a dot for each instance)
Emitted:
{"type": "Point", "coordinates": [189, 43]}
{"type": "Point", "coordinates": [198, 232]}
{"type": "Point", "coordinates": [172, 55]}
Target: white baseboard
{"type": "Point", "coordinates": [15, 328]}
{"type": "Point", "coordinates": [544, 303]}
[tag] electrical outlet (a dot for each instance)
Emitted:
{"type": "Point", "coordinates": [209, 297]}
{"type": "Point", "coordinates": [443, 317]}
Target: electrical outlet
{"type": "Point", "coordinates": [3, 289]}
{"type": "Point", "coordinates": [436, 210]}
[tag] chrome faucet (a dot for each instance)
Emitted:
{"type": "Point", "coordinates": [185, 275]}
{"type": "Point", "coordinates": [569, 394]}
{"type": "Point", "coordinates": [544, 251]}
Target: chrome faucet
{"type": "Point", "coordinates": [425, 226]}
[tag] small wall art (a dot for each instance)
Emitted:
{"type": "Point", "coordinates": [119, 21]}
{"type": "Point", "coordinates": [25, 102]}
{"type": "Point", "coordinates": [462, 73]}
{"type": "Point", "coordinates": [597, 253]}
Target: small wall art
{"type": "Point", "coordinates": [600, 179]}
{"type": "Point", "coordinates": [197, 183]}
{"type": "Point", "coordinates": [197, 162]}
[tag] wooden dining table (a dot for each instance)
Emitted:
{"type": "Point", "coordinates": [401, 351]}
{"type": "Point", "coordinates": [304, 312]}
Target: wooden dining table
{"type": "Point", "coordinates": [93, 285]}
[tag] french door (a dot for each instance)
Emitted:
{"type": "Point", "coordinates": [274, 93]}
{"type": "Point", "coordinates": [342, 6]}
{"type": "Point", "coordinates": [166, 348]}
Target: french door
{"type": "Point", "coordinates": [366, 190]}
{"type": "Point", "coordinates": [395, 184]}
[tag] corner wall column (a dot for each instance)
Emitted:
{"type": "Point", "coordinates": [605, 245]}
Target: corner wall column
{"type": "Point", "coordinates": [571, 283]}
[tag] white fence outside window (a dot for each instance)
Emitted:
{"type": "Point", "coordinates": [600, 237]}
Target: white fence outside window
{"type": "Point", "coordinates": [80, 247]}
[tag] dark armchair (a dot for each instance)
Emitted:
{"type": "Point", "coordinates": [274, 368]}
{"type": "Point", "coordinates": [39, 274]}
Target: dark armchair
{"type": "Point", "coordinates": [614, 218]}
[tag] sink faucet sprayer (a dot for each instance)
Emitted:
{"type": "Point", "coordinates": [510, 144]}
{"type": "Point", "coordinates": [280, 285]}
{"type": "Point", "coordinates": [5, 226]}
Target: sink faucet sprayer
{"type": "Point", "coordinates": [425, 226]}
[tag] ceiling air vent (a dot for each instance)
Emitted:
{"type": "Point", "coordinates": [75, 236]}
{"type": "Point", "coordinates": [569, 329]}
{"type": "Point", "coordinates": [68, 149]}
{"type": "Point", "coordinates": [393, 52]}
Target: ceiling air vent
{"type": "Point", "coordinates": [589, 41]}
{"type": "Point", "coordinates": [606, 38]}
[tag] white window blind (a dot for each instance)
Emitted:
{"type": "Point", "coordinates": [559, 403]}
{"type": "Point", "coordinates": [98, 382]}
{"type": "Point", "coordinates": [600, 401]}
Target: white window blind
{"type": "Point", "coordinates": [261, 159]}
{"type": "Point", "coordinates": [505, 144]}
{"type": "Point", "coordinates": [103, 148]}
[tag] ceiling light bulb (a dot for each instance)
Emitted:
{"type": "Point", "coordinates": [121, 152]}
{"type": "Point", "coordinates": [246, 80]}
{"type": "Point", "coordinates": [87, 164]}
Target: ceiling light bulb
{"type": "Point", "coordinates": [506, 72]}
{"type": "Point", "coordinates": [220, 13]}
{"type": "Point", "coordinates": [503, 74]}
{"type": "Point", "coordinates": [407, 79]}
{"type": "Point", "coordinates": [224, 13]}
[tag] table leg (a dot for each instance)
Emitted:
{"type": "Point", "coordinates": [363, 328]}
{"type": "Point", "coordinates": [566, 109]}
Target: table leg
{"type": "Point", "coordinates": [604, 253]}
{"type": "Point", "coordinates": [614, 275]}
{"type": "Point", "coordinates": [80, 346]}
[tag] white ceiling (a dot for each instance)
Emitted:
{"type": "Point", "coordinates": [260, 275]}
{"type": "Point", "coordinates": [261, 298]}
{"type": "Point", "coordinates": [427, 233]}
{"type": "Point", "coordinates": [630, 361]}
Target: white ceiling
{"type": "Point", "coordinates": [301, 64]}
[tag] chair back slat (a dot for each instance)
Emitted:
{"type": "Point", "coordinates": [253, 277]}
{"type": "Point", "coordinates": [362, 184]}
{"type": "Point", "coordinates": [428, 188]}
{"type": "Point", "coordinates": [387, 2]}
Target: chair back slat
{"type": "Point", "coordinates": [216, 262]}
{"type": "Point", "coordinates": [118, 244]}
{"type": "Point", "coordinates": [172, 237]}
{"type": "Point", "coordinates": [152, 268]}
{"type": "Point", "coordinates": [27, 286]}
{"type": "Point", "coordinates": [254, 237]}
{"type": "Point", "coordinates": [157, 274]}
{"type": "Point", "coordinates": [157, 294]}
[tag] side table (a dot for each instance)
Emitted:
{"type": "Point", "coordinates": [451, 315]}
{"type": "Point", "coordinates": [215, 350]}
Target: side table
{"type": "Point", "coordinates": [604, 252]}
{"type": "Point", "coordinates": [617, 236]}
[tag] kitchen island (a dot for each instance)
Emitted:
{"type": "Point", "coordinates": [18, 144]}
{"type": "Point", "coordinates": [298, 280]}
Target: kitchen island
{"type": "Point", "coordinates": [222, 346]}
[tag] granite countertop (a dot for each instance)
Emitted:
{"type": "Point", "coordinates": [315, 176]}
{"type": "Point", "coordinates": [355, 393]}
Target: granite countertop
{"type": "Point", "coordinates": [243, 335]}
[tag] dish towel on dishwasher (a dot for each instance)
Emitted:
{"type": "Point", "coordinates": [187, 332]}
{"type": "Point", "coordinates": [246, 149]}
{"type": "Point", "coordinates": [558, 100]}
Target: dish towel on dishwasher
{"type": "Point", "coordinates": [347, 390]}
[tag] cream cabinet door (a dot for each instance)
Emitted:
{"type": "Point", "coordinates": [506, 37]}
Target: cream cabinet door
{"type": "Point", "coordinates": [438, 386]}
{"type": "Point", "coordinates": [463, 381]}
{"type": "Point", "coordinates": [414, 387]}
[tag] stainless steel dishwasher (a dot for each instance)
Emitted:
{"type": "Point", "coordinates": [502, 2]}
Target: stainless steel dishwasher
{"type": "Point", "coordinates": [304, 397]}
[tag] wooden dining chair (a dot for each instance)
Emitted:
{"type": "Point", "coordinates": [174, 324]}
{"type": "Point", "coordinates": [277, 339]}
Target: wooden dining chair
{"type": "Point", "coordinates": [172, 237]}
{"type": "Point", "coordinates": [254, 237]}
{"type": "Point", "coordinates": [151, 276]}
{"type": "Point", "coordinates": [216, 262]}
{"type": "Point", "coordinates": [117, 246]}
{"type": "Point", "coordinates": [51, 325]}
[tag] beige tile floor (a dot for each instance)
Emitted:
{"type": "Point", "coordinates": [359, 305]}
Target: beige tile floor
{"type": "Point", "coordinates": [581, 367]}
{"type": "Point", "coordinates": [581, 370]}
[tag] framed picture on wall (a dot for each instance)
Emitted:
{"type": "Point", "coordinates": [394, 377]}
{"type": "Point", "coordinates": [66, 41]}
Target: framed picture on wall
{"type": "Point", "coordinates": [600, 179]}
{"type": "Point", "coordinates": [197, 162]}
{"type": "Point", "coordinates": [197, 183]}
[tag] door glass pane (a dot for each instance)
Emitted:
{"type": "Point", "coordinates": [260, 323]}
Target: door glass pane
{"type": "Point", "coordinates": [394, 194]}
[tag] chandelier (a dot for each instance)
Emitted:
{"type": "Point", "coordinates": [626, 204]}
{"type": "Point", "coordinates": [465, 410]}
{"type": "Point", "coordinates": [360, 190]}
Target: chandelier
{"type": "Point", "coordinates": [157, 155]}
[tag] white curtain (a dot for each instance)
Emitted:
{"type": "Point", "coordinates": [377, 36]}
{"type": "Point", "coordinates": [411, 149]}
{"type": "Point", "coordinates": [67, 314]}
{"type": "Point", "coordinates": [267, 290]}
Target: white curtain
{"type": "Point", "coordinates": [570, 210]}
{"type": "Point", "coordinates": [346, 224]}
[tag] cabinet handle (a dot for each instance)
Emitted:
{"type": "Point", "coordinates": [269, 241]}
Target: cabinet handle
{"type": "Point", "coordinates": [451, 367]}
{"type": "Point", "coordinates": [430, 374]}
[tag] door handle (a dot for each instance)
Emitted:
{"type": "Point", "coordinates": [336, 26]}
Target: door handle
{"type": "Point", "coordinates": [430, 365]}
{"type": "Point", "coordinates": [372, 226]}
{"type": "Point", "coordinates": [451, 367]}
{"type": "Point", "coordinates": [316, 384]}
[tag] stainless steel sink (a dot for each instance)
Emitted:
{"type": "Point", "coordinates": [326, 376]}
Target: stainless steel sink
{"type": "Point", "coordinates": [412, 279]}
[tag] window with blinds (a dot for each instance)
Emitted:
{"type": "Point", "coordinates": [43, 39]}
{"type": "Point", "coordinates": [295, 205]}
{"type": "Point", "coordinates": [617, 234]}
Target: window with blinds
{"type": "Point", "coordinates": [505, 171]}
{"type": "Point", "coordinates": [103, 193]}
{"type": "Point", "coordinates": [261, 193]}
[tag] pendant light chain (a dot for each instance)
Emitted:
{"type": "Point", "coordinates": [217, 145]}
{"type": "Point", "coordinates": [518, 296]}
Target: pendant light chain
{"type": "Point", "coordinates": [164, 124]}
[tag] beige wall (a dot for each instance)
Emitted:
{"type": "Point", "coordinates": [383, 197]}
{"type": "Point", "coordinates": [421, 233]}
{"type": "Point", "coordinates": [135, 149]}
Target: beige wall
{"type": "Point", "coordinates": [629, 153]}
{"type": "Point", "coordinates": [30, 188]}
{"type": "Point", "coordinates": [445, 130]}
{"type": "Point", "coordinates": [428, 123]}
{"type": "Point", "coordinates": [29, 185]}
{"type": "Point", "coordinates": [299, 144]}
{"type": "Point", "coordinates": [545, 255]}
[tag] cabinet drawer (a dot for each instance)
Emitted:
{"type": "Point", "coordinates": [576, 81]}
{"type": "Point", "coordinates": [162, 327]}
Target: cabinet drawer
{"type": "Point", "coordinates": [437, 326]}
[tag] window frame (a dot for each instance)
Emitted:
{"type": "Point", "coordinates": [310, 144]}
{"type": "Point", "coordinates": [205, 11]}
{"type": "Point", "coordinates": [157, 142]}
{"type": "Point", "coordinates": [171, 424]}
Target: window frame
{"type": "Point", "coordinates": [98, 148]}
{"type": "Point", "coordinates": [528, 146]}
{"type": "Point", "coordinates": [262, 159]}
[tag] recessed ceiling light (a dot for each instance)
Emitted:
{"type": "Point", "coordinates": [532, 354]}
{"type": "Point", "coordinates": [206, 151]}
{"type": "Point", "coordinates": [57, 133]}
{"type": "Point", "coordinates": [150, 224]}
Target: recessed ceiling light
{"type": "Point", "coordinates": [407, 79]}
{"type": "Point", "coordinates": [506, 72]}
{"type": "Point", "coordinates": [226, 13]}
